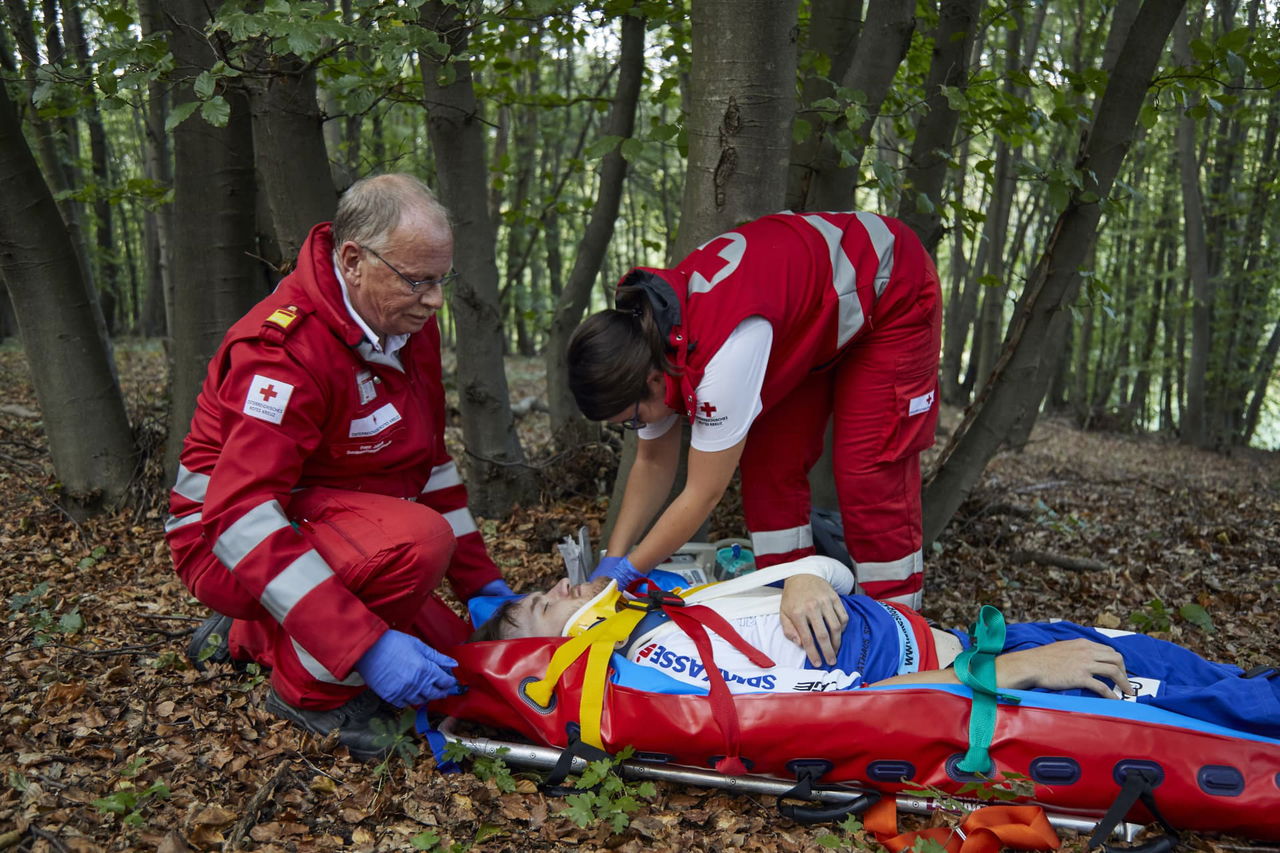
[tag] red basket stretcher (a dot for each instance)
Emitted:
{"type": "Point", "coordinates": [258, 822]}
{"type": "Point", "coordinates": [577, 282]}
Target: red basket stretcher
{"type": "Point", "coordinates": [1079, 752]}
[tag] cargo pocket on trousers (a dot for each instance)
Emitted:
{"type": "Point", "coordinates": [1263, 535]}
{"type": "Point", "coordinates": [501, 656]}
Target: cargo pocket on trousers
{"type": "Point", "coordinates": [915, 413]}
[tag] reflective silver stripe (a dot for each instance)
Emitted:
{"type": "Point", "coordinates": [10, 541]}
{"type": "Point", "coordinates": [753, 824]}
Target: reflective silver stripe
{"type": "Point", "coordinates": [894, 570]}
{"type": "Point", "coordinates": [174, 522]}
{"type": "Point", "coordinates": [191, 485]}
{"type": "Point", "coordinates": [461, 522]}
{"type": "Point", "coordinates": [844, 280]}
{"type": "Point", "coordinates": [911, 599]}
{"type": "Point", "coordinates": [249, 531]}
{"type": "Point", "coordinates": [882, 241]}
{"type": "Point", "coordinates": [781, 541]}
{"type": "Point", "coordinates": [442, 477]}
{"type": "Point", "coordinates": [295, 581]}
{"type": "Point", "coordinates": [319, 673]}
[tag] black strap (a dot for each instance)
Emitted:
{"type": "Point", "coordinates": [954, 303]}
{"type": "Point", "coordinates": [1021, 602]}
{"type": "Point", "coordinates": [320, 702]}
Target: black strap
{"type": "Point", "coordinates": [576, 748]}
{"type": "Point", "coordinates": [1138, 785]}
{"type": "Point", "coordinates": [1263, 671]}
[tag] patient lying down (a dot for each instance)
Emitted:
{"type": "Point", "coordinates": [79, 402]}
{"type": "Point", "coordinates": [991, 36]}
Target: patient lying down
{"type": "Point", "coordinates": [885, 644]}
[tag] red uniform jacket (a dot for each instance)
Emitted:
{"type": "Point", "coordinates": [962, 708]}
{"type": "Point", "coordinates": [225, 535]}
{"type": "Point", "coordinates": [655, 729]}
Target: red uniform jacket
{"type": "Point", "coordinates": [288, 403]}
{"type": "Point", "coordinates": [818, 278]}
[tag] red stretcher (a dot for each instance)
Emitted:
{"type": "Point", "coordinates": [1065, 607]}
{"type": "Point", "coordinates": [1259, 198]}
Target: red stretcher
{"type": "Point", "coordinates": [1085, 756]}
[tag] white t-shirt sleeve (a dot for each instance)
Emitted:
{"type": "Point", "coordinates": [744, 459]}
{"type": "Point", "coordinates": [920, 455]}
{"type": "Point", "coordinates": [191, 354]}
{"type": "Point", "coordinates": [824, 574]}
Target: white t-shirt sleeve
{"type": "Point", "coordinates": [729, 393]}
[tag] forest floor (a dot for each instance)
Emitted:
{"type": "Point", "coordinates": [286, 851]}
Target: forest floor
{"type": "Point", "coordinates": [112, 741]}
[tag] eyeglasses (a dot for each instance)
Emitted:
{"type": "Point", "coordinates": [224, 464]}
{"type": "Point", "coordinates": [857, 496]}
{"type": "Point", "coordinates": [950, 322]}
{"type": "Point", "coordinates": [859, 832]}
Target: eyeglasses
{"type": "Point", "coordinates": [414, 284]}
{"type": "Point", "coordinates": [634, 421]}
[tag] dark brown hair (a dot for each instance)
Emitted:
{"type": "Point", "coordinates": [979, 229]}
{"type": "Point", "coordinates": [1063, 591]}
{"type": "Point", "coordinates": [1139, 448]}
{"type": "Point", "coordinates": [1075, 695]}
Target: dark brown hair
{"type": "Point", "coordinates": [611, 354]}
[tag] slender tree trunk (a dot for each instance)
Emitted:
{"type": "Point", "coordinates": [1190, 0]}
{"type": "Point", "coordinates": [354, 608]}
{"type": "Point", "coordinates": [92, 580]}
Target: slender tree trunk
{"type": "Point", "coordinates": [107, 264]}
{"type": "Point", "coordinates": [158, 223]}
{"type": "Point", "coordinates": [81, 404]}
{"type": "Point", "coordinates": [921, 205]}
{"type": "Point", "coordinates": [567, 425]}
{"type": "Point", "coordinates": [1195, 429]}
{"type": "Point", "coordinates": [1014, 395]}
{"type": "Point", "coordinates": [824, 179]}
{"type": "Point", "coordinates": [498, 475]}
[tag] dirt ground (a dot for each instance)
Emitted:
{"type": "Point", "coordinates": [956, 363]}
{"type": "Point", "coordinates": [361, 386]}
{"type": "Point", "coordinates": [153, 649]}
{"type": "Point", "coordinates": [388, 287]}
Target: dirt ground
{"type": "Point", "coordinates": [112, 741]}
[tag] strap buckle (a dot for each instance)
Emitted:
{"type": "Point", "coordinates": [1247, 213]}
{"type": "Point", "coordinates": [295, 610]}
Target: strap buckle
{"type": "Point", "coordinates": [652, 598]}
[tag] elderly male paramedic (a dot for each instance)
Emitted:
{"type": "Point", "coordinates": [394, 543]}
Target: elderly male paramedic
{"type": "Point", "coordinates": [315, 504]}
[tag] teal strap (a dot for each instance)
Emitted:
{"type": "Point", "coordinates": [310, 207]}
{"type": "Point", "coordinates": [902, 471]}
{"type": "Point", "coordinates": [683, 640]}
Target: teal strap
{"type": "Point", "coordinates": [976, 668]}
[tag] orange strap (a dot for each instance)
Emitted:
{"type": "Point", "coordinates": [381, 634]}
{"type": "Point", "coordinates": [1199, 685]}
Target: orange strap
{"type": "Point", "coordinates": [989, 829]}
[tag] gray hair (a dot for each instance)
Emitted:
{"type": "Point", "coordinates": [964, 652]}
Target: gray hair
{"type": "Point", "coordinates": [373, 207]}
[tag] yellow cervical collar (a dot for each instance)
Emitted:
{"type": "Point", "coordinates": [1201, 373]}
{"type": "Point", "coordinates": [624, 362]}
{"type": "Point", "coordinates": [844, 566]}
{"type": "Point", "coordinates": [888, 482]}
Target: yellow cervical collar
{"type": "Point", "coordinates": [604, 605]}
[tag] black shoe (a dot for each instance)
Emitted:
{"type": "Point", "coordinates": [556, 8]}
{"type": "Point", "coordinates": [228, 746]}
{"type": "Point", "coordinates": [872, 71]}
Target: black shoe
{"type": "Point", "coordinates": [209, 642]}
{"type": "Point", "coordinates": [366, 725]}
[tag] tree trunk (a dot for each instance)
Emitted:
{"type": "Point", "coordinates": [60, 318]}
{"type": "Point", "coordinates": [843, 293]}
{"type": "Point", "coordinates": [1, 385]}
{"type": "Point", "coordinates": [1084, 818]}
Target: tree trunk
{"type": "Point", "coordinates": [1015, 392]}
{"type": "Point", "coordinates": [567, 425]}
{"type": "Point", "coordinates": [215, 279]}
{"type": "Point", "coordinates": [1195, 425]}
{"type": "Point", "coordinates": [741, 105]}
{"type": "Point", "coordinates": [81, 404]}
{"type": "Point", "coordinates": [921, 205]}
{"type": "Point", "coordinates": [107, 265]}
{"type": "Point", "coordinates": [498, 477]}
{"type": "Point", "coordinates": [288, 146]}
{"type": "Point", "coordinates": [158, 223]}
{"type": "Point", "coordinates": [825, 166]}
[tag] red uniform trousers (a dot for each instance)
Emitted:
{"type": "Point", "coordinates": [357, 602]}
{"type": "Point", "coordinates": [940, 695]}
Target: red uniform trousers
{"type": "Point", "coordinates": [869, 394]}
{"type": "Point", "coordinates": [391, 553]}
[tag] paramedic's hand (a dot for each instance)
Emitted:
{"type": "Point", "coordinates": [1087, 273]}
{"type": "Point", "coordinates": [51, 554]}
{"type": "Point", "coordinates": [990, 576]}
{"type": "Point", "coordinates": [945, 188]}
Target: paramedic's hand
{"type": "Point", "coordinates": [406, 671]}
{"type": "Point", "coordinates": [496, 587]}
{"type": "Point", "coordinates": [1066, 665]}
{"type": "Point", "coordinates": [618, 568]}
{"type": "Point", "coordinates": [813, 617]}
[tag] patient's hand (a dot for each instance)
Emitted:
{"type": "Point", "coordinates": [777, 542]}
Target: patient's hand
{"type": "Point", "coordinates": [1065, 665]}
{"type": "Point", "coordinates": [813, 617]}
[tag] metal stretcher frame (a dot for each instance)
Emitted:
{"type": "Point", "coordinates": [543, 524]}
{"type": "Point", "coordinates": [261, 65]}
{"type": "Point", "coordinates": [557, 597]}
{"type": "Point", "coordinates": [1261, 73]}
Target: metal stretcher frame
{"type": "Point", "coordinates": [546, 757]}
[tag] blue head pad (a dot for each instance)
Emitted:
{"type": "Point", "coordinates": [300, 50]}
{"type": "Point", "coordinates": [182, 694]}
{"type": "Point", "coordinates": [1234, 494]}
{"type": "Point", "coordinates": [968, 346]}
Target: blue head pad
{"type": "Point", "coordinates": [482, 607]}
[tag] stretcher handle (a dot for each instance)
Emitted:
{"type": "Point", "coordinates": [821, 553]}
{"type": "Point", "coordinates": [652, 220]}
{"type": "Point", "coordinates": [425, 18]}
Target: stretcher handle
{"type": "Point", "coordinates": [823, 814]}
{"type": "Point", "coordinates": [808, 771]}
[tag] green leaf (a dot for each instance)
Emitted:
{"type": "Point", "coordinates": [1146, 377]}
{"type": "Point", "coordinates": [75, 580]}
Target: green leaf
{"type": "Point", "coordinates": [216, 111]}
{"type": "Point", "coordinates": [204, 85]}
{"type": "Point", "coordinates": [179, 114]}
{"type": "Point", "coordinates": [631, 149]}
{"type": "Point", "coordinates": [70, 622]}
{"type": "Point", "coordinates": [424, 840]}
{"type": "Point", "coordinates": [1198, 616]}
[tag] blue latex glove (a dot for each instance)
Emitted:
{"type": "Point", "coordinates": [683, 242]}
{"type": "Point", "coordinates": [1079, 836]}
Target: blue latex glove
{"type": "Point", "coordinates": [406, 671]}
{"type": "Point", "coordinates": [618, 568]}
{"type": "Point", "coordinates": [496, 587]}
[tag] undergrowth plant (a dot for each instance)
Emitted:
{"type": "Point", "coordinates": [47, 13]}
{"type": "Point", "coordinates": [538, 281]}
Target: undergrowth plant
{"type": "Point", "coordinates": [605, 795]}
{"type": "Point", "coordinates": [46, 623]}
{"type": "Point", "coordinates": [399, 738]}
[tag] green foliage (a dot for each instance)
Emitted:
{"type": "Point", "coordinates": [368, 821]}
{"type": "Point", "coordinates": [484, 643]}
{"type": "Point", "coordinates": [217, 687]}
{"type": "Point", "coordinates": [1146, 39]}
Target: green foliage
{"type": "Point", "coordinates": [853, 837]}
{"type": "Point", "coordinates": [1156, 617]}
{"type": "Point", "coordinates": [606, 796]}
{"type": "Point", "coordinates": [47, 623]}
{"type": "Point", "coordinates": [129, 803]}
{"type": "Point", "coordinates": [399, 737]}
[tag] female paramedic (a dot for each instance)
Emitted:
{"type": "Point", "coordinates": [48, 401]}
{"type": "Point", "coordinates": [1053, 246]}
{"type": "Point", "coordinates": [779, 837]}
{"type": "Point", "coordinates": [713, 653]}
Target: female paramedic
{"type": "Point", "coordinates": [888, 644]}
{"type": "Point", "coordinates": [760, 337]}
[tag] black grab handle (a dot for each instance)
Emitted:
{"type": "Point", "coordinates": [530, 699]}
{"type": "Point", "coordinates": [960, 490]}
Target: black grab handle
{"type": "Point", "coordinates": [822, 814]}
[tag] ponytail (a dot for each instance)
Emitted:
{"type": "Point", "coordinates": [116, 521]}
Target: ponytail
{"type": "Point", "coordinates": [612, 353]}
